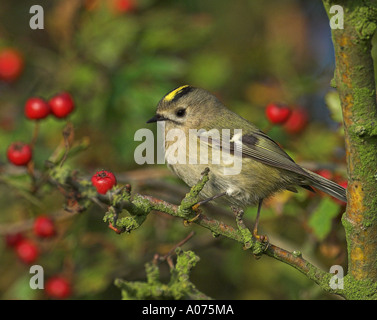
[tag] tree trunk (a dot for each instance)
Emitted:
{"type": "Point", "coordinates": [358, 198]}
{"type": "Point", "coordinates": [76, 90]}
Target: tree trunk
{"type": "Point", "coordinates": [354, 79]}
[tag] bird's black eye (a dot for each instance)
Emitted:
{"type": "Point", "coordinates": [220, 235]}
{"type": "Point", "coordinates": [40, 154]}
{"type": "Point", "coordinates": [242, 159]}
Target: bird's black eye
{"type": "Point", "coordinates": [180, 113]}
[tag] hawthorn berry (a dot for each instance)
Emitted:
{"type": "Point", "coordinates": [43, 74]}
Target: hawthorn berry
{"type": "Point", "coordinates": [13, 239]}
{"type": "Point", "coordinates": [277, 114]}
{"type": "Point", "coordinates": [58, 287]}
{"type": "Point", "coordinates": [61, 105]}
{"type": "Point", "coordinates": [27, 251]}
{"type": "Point", "coordinates": [36, 108]}
{"type": "Point", "coordinates": [11, 64]}
{"type": "Point", "coordinates": [325, 173]}
{"type": "Point", "coordinates": [19, 153]}
{"type": "Point", "coordinates": [103, 181]}
{"type": "Point", "coordinates": [296, 122]}
{"type": "Point", "coordinates": [44, 227]}
{"type": "Point", "coordinates": [123, 6]}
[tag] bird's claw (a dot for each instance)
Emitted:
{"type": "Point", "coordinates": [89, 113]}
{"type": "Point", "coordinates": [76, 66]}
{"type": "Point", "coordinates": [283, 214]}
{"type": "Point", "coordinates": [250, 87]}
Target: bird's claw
{"type": "Point", "coordinates": [195, 207]}
{"type": "Point", "coordinates": [187, 222]}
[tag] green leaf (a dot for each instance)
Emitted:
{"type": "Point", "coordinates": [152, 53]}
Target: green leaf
{"type": "Point", "coordinates": [21, 290]}
{"type": "Point", "coordinates": [321, 219]}
{"type": "Point", "coordinates": [333, 103]}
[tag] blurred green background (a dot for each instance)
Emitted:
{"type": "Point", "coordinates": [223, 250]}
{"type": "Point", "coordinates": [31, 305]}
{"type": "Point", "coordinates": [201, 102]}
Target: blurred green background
{"type": "Point", "coordinates": [117, 64]}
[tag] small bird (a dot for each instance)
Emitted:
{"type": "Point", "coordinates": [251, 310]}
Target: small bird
{"type": "Point", "coordinates": [265, 167]}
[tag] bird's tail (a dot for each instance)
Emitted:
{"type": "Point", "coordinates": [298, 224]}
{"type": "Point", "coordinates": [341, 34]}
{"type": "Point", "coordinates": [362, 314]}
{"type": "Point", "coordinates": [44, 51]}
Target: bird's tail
{"type": "Point", "coordinates": [327, 186]}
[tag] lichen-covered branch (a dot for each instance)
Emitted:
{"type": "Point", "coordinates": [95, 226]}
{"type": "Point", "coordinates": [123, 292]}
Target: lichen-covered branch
{"type": "Point", "coordinates": [179, 286]}
{"type": "Point", "coordinates": [126, 211]}
{"type": "Point", "coordinates": [139, 206]}
{"type": "Point", "coordinates": [355, 82]}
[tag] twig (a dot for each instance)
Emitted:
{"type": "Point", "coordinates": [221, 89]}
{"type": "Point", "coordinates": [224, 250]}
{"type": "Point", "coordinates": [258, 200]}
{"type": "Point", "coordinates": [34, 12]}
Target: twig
{"type": "Point", "coordinates": [294, 259]}
{"type": "Point", "coordinates": [67, 132]}
{"type": "Point", "coordinates": [139, 206]}
{"type": "Point", "coordinates": [35, 134]}
{"type": "Point", "coordinates": [172, 250]}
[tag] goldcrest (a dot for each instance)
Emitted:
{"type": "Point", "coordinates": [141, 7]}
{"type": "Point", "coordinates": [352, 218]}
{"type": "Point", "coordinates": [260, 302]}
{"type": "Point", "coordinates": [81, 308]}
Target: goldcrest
{"type": "Point", "coordinates": [265, 168]}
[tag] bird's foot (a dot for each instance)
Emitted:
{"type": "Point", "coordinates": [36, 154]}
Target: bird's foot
{"type": "Point", "coordinates": [261, 245]}
{"type": "Point", "coordinates": [260, 237]}
{"type": "Point", "coordinates": [187, 222]}
{"type": "Point", "coordinates": [195, 207]}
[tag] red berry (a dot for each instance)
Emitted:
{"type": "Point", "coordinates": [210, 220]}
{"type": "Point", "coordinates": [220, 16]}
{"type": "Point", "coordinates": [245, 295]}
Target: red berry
{"type": "Point", "coordinates": [12, 239]}
{"type": "Point", "coordinates": [277, 114]}
{"type": "Point", "coordinates": [325, 173]}
{"type": "Point", "coordinates": [27, 251]}
{"type": "Point", "coordinates": [343, 183]}
{"type": "Point", "coordinates": [36, 108]}
{"type": "Point", "coordinates": [11, 64]}
{"type": "Point", "coordinates": [61, 105]}
{"type": "Point", "coordinates": [103, 181]}
{"type": "Point", "coordinates": [44, 227]}
{"type": "Point", "coordinates": [296, 122]}
{"type": "Point", "coordinates": [58, 287]}
{"type": "Point", "coordinates": [19, 153]}
{"type": "Point", "coordinates": [124, 5]}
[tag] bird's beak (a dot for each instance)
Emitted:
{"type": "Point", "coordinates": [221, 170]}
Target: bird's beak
{"type": "Point", "coordinates": [156, 118]}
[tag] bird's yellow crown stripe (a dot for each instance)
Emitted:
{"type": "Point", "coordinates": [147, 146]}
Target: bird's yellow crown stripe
{"type": "Point", "coordinates": [170, 96]}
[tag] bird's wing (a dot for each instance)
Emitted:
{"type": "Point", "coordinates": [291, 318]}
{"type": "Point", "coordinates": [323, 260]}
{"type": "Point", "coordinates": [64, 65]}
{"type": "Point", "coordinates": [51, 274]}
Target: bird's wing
{"type": "Point", "coordinates": [257, 146]}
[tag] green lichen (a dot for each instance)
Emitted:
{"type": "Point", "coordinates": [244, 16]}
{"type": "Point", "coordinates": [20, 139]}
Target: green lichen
{"type": "Point", "coordinates": [153, 273]}
{"type": "Point", "coordinates": [359, 289]}
{"type": "Point", "coordinates": [356, 87]}
{"type": "Point", "coordinates": [178, 287]}
{"type": "Point", "coordinates": [185, 209]}
{"type": "Point", "coordinates": [258, 248]}
{"type": "Point", "coordinates": [360, 131]}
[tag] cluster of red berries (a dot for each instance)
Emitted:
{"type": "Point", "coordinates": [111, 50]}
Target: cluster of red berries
{"type": "Point", "coordinates": [60, 105]}
{"type": "Point", "coordinates": [293, 121]}
{"type": "Point", "coordinates": [28, 252]}
{"type": "Point", "coordinates": [103, 181]}
{"type": "Point", "coordinates": [26, 249]}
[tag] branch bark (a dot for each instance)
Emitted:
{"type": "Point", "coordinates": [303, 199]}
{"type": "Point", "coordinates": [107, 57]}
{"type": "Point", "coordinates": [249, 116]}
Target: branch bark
{"type": "Point", "coordinates": [355, 82]}
{"type": "Point", "coordinates": [139, 206]}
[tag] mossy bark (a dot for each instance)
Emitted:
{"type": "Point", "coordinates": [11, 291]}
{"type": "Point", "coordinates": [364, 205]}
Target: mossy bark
{"type": "Point", "coordinates": [355, 82]}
